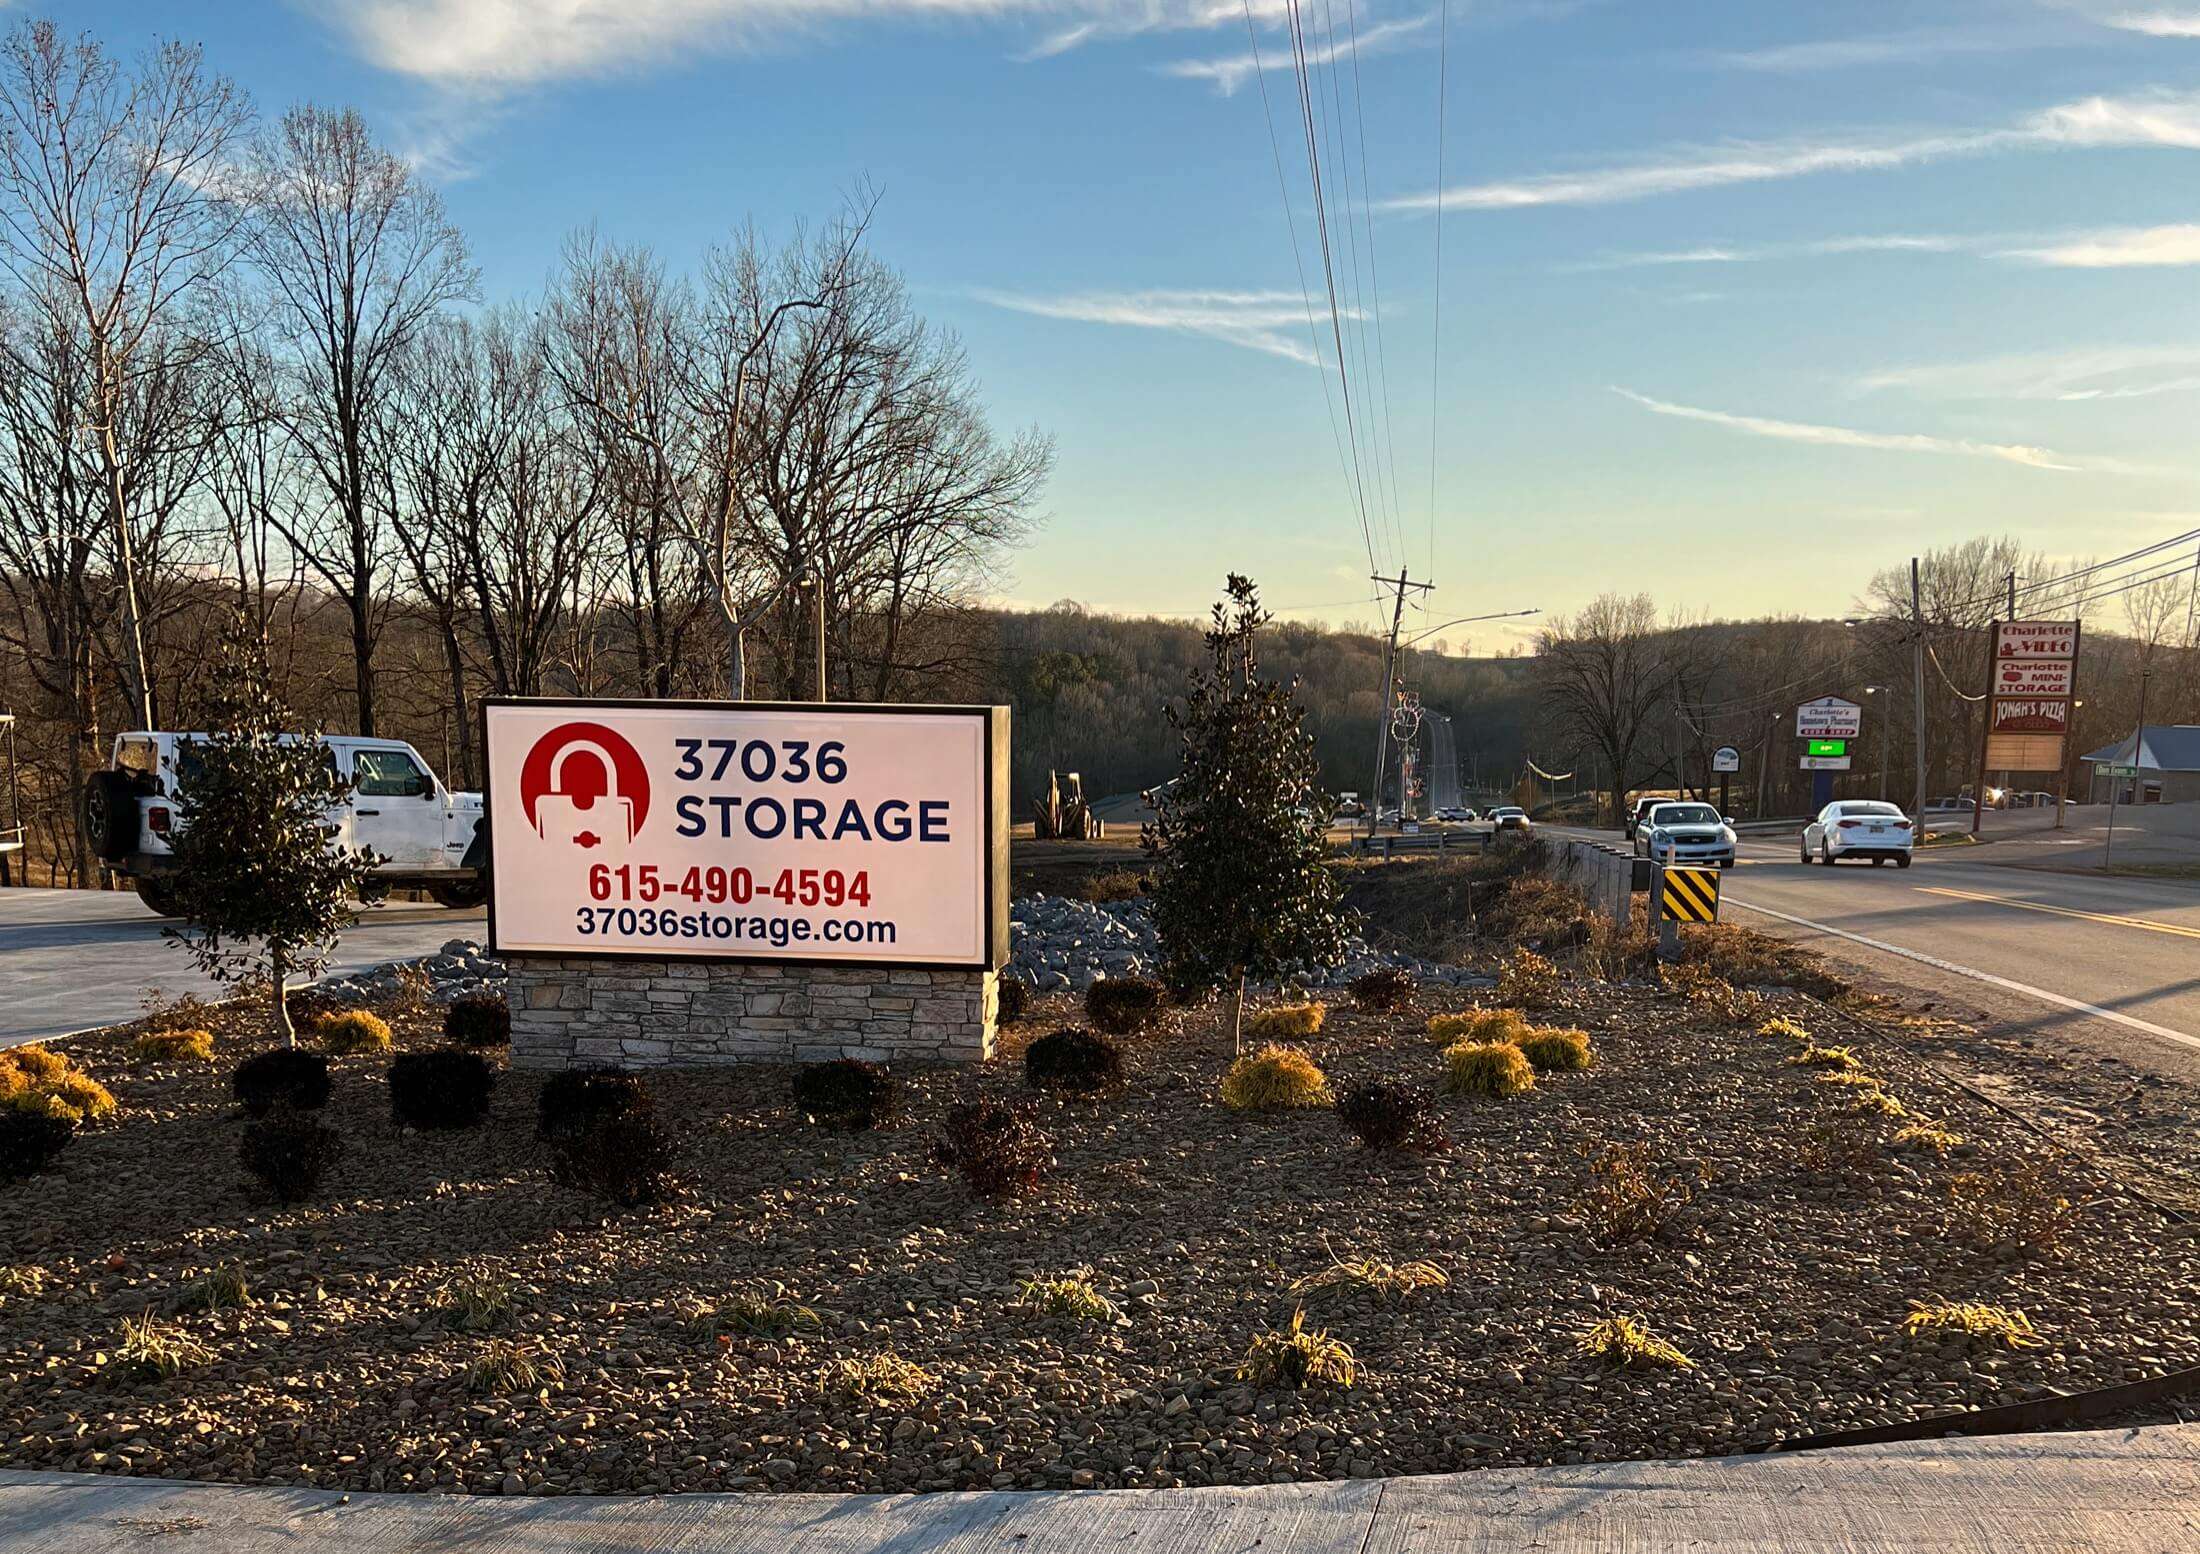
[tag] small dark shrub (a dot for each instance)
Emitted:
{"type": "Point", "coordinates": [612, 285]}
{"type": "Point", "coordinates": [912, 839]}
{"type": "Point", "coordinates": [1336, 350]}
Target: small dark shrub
{"type": "Point", "coordinates": [1393, 1117]}
{"type": "Point", "coordinates": [1382, 990]}
{"type": "Point", "coordinates": [1074, 1061]}
{"type": "Point", "coordinates": [446, 1089]}
{"type": "Point", "coordinates": [574, 1101]}
{"type": "Point", "coordinates": [289, 1077]}
{"type": "Point", "coordinates": [1630, 1196]}
{"type": "Point", "coordinates": [1123, 1006]}
{"type": "Point", "coordinates": [478, 1020]}
{"type": "Point", "coordinates": [847, 1093]}
{"type": "Point", "coordinates": [289, 1153]}
{"type": "Point", "coordinates": [1015, 999]}
{"type": "Point", "coordinates": [999, 1149]}
{"type": "Point", "coordinates": [30, 1138]}
{"type": "Point", "coordinates": [625, 1156]}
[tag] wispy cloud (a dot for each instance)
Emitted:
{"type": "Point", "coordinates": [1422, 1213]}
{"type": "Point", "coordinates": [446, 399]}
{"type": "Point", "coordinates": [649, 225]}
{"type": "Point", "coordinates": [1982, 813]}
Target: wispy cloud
{"type": "Point", "coordinates": [1270, 322]}
{"type": "Point", "coordinates": [2104, 248]}
{"type": "Point", "coordinates": [2096, 373]}
{"type": "Point", "coordinates": [1850, 437]}
{"type": "Point", "coordinates": [1714, 253]}
{"type": "Point", "coordinates": [1232, 71]}
{"type": "Point", "coordinates": [2156, 23]}
{"type": "Point", "coordinates": [1915, 46]}
{"type": "Point", "coordinates": [2152, 119]}
{"type": "Point", "coordinates": [2119, 248]}
{"type": "Point", "coordinates": [494, 45]}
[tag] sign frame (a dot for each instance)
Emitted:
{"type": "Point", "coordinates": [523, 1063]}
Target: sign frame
{"type": "Point", "coordinates": [1686, 885]}
{"type": "Point", "coordinates": [1830, 747]}
{"type": "Point", "coordinates": [1849, 725]}
{"type": "Point", "coordinates": [1726, 760]}
{"type": "Point", "coordinates": [994, 870]}
{"type": "Point", "coordinates": [1827, 763]}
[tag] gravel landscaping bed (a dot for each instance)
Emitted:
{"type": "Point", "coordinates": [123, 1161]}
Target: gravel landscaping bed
{"type": "Point", "coordinates": [1786, 1280]}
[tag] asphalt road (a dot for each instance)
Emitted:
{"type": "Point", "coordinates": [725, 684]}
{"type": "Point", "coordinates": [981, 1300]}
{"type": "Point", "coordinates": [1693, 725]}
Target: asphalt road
{"type": "Point", "coordinates": [2105, 961]}
{"type": "Point", "coordinates": [74, 959]}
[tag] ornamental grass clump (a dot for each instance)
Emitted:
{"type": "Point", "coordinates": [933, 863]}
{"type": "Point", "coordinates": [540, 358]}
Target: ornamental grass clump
{"type": "Point", "coordinates": [152, 1350]}
{"type": "Point", "coordinates": [1389, 1282]}
{"type": "Point", "coordinates": [1295, 1358]}
{"type": "Point", "coordinates": [999, 1150]}
{"type": "Point", "coordinates": [1123, 1006]}
{"type": "Point", "coordinates": [1486, 1068]}
{"type": "Point", "coordinates": [847, 1093]}
{"type": "Point", "coordinates": [2018, 1207]}
{"type": "Point", "coordinates": [352, 1031]}
{"type": "Point", "coordinates": [1527, 980]}
{"type": "Point", "coordinates": [1384, 990]}
{"type": "Point", "coordinates": [1073, 1297]}
{"type": "Point", "coordinates": [1398, 1119]}
{"type": "Point", "coordinates": [1926, 1137]}
{"type": "Point", "coordinates": [173, 1046]}
{"type": "Point", "coordinates": [2003, 1325]}
{"type": "Point", "coordinates": [1626, 1344]}
{"type": "Point", "coordinates": [502, 1366]}
{"type": "Point", "coordinates": [1815, 1056]}
{"type": "Point", "coordinates": [1783, 1028]}
{"type": "Point", "coordinates": [1552, 1049]}
{"type": "Point", "coordinates": [1073, 1062]}
{"type": "Point", "coordinates": [217, 1289]}
{"type": "Point", "coordinates": [22, 1280]}
{"type": "Point", "coordinates": [1477, 1024]}
{"type": "Point", "coordinates": [472, 1302]}
{"type": "Point", "coordinates": [1286, 1022]}
{"type": "Point", "coordinates": [38, 1079]}
{"type": "Point", "coordinates": [764, 1310]}
{"type": "Point", "coordinates": [1629, 1198]}
{"type": "Point", "coordinates": [877, 1380]}
{"type": "Point", "coordinates": [1274, 1079]}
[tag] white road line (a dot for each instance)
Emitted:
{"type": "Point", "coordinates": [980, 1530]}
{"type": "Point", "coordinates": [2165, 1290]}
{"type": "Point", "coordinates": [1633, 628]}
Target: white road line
{"type": "Point", "coordinates": [1938, 964]}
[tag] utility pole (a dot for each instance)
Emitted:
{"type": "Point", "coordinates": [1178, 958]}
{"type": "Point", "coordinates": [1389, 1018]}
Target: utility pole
{"type": "Point", "coordinates": [1917, 693]}
{"type": "Point", "coordinates": [2115, 781]}
{"type": "Point", "coordinates": [817, 586]}
{"type": "Point", "coordinates": [1399, 586]}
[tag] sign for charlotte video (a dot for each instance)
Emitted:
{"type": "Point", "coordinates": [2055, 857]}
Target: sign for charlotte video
{"type": "Point", "coordinates": [768, 833]}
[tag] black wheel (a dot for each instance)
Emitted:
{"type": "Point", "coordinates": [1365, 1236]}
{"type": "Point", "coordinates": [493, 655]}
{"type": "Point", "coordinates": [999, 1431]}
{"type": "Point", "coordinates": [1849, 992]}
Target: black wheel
{"type": "Point", "coordinates": [460, 895]}
{"type": "Point", "coordinates": [111, 815]}
{"type": "Point", "coordinates": [1903, 861]}
{"type": "Point", "coordinates": [1876, 862]}
{"type": "Point", "coordinates": [1825, 852]}
{"type": "Point", "coordinates": [159, 897]}
{"type": "Point", "coordinates": [1804, 849]}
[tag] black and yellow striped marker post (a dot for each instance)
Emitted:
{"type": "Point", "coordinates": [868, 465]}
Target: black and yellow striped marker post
{"type": "Point", "coordinates": [1689, 895]}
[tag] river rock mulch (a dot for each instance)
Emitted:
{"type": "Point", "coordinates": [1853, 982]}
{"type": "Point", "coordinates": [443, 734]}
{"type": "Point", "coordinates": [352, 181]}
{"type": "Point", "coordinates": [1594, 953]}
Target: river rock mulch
{"type": "Point", "coordinates": [1786, 1282]}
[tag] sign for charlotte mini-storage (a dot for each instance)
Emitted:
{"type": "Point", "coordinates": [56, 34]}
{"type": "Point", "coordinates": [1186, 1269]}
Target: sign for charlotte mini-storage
{"type": "Point", "coordinates": [740, 830]}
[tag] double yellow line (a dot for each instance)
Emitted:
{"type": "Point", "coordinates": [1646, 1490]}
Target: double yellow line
{"type": "Point", "coordinates": [2148, 924]}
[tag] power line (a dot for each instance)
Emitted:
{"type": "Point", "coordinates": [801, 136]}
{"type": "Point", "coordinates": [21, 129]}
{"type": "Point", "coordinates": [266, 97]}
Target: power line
{"type": "Point", "coordinates": [1283, 186]}
{"type": "Point", "coordinates": [1436, 332]}
{"type": "Point", "coordinates": [1375, 280]}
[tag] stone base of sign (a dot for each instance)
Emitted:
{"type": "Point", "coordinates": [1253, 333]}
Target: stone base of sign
{"type": "Point", "coordinates": [570, 1011]}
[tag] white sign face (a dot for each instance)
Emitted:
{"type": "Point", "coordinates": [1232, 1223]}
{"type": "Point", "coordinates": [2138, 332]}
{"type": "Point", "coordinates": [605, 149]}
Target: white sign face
{"type": "Point", "coordinates": [2036, 639]}
{"type": "Point", "coordinates": [1825, 763]}
{"type": "Point", "coordinates": [1829, 717]}
{"type": "Point", "coordinates": [1726, 759]}
{"type": "Point", "coordinates": [742, 831]}
{"type": "Point", "coordinates": [2032, 676]}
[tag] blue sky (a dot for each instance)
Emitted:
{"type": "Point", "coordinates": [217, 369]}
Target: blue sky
{"type": "Point", "coordinates": [1739, 302]}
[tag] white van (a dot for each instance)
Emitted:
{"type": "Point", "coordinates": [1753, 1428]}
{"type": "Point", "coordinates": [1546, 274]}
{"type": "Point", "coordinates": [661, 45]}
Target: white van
{"type": "Point", "coordinates": [427, 837]}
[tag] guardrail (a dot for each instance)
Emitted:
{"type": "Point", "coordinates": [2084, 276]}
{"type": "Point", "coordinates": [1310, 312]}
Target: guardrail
{"type": "Point", "coordinates": [1439, 842]}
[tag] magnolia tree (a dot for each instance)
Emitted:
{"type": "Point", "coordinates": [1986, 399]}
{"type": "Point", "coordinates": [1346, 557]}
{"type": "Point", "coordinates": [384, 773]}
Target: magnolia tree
{"type": "Point", "coordinates": [1242, 887]}
{"type": "Point", "coordinates": [262, 881]}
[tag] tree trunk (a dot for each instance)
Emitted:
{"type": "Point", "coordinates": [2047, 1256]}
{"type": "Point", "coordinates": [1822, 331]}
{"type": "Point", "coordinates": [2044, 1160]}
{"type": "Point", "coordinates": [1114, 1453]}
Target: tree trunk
{"type": "Point", "coordinates": [1237, 1017]}
{"type": "Point", "coordinates": [455, 660]}
{"type": "Point", "coordinates": [136, 677]}
{"type": "Point", "coordinates": [362, 658]}
{"type": "Point", "coordinates": [278, 973]}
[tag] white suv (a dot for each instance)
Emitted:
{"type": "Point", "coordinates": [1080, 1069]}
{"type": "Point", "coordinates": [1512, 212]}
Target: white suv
{"type": "Point", "coordinates": [427, 837]}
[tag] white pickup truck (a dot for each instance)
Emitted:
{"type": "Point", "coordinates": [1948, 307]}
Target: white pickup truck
{"type": "Point", "coordinates": [427, 837]}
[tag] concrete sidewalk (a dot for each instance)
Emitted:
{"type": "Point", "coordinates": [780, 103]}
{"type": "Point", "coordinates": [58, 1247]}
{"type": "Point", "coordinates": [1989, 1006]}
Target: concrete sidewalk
{"type": "Point", "coordinates": [2102, 1492]}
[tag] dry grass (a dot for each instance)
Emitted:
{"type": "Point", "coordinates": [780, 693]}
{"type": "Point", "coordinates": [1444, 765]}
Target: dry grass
{"type": "Point", "coordinates": [1625, 1343]}
{"type": "Point", "coordinates": [1477, 1024]}
{"type": "Point", "coordinates": [504, 1366]}
{"type": "Point", "coordinates": [1527, 980]}
{"type": "Point", "coordinates": [1926, 1137]}
{"type": "Point", "coordinates": [1552, 1049]}
{"type": "Point", "coordinates": [1846, 1144]}
{"type": "Point", "coordinates": [153, 1350]}
{"type": "Point", "coordinates": [2003, 1324]}
{"type": "Point", "coordinates": [1286, 1022]}
{"type": "Point", "coordinates": [1274, 1079]}
{"type": "Point", "coordinates": [1072, 1296]}
{"type": "Point", "coordinates": [765, 1310]}
{"type": "Point", "coordinates": [1747, 958]}
{"type": "Point", "coordinates": [1815, 1056]}
{"type": "Point", "coordinates": [1702, 985]}
{"type": "Point", "coordinates": [877, 1379]}
{"type": "Point", "coordinates": [1628, 1199]}
{"type": "Point", "coordinates": [22, 1280]}
{"type": "Point", "coordinates": [354, 1031]}
{"type": "Point", "coordinates": [1389, 1282]}
{"type": "Point", "coordinates": [2019, 1206]}
{"type": "Point", "coordinates": [1782, 1027]}
{"type": "Point", "coordinates": [38, 1078]}
{"type": "Point", "coordinates": [1296, 1358]}
{"type": "Point", "coordinates": [189, 1045]}
{"type": "Point", "coordinates": [1486, 1068]}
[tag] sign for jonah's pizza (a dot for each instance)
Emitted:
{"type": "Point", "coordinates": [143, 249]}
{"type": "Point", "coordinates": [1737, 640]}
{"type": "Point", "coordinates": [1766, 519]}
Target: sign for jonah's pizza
{"type": "Point", "coordinates": [869, 835]}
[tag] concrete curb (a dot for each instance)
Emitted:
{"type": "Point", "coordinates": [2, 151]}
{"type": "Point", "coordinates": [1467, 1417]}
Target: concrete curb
{"type": "Point", "coordinates": [2105, 1491]}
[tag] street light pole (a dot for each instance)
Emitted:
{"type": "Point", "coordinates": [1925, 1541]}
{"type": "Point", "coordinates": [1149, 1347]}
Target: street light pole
{"type": "Point", "coordinates": [1917, 692]}
{"type": "Point", "coordinates": [2138, 745]}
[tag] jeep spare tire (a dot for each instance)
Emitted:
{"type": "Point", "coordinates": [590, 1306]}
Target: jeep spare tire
{"type": "Point", "coordinates": [111, 815]}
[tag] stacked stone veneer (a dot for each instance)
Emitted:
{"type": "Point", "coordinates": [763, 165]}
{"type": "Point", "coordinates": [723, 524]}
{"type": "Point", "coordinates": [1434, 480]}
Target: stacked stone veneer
{"type": "Point", "coordinates": [568, 1011]}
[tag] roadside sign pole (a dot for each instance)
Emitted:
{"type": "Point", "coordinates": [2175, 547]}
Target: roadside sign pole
{"type": "Point", "coordinates": [1917, 693]}
{"type": "Point", "coordinates": [2070, 732]}
{"type": "Point", "coordinates": [1668, 931]}
{"type": "Point", "coordinates": [1985, 733]}
{"type": "Point", "coordinates": [2115, 783]}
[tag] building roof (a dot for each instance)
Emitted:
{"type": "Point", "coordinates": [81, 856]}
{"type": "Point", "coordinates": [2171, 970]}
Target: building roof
{"type": "Point", "coordinates": [2170, 747]}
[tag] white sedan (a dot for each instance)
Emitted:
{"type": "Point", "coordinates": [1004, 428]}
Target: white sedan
{"type": "Point", "coordinates": [1859, 828]}
{"type": "Point", "coordinates": [1682, 832]}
